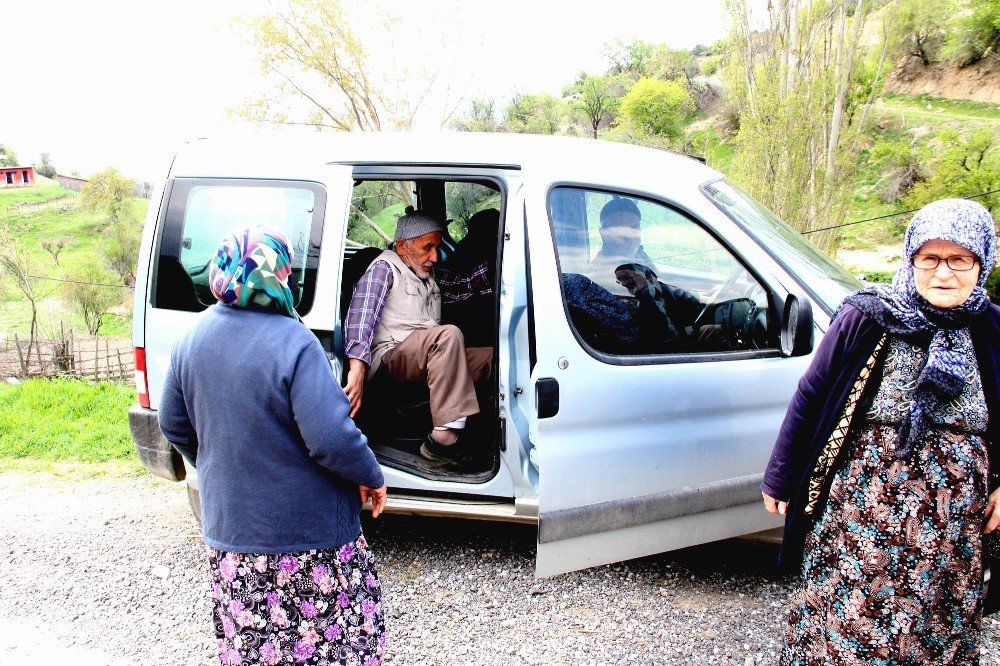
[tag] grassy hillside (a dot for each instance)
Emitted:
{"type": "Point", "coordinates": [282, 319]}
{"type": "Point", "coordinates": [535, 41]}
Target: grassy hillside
{"type": "Point", "coordinates": [48, 213]}
{"type": "Point", "coordinates": [915, 118]}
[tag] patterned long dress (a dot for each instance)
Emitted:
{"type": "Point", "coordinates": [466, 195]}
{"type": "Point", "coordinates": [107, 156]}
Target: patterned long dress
{"type": "Point", "coordinates": [893, 569]}
{"type": "Point", "coordinates": [318, 607]}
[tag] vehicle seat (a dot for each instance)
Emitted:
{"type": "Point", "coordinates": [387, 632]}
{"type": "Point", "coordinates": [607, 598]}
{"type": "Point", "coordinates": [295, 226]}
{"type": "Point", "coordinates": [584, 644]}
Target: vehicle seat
{"type": "Point", "coordinates": [476, 317]}
{"type": "Point", "coordinates": [479, 244]}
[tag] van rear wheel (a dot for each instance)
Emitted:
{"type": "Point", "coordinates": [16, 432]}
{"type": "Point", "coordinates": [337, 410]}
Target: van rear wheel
{"type": "Point", "coordinates": [194, 499]}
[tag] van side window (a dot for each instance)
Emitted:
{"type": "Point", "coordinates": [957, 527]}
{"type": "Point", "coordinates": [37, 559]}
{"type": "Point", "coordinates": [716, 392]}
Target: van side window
{"type": "Point", "coordinates": [641, 278]}
{"type": "Point", "coordinates": [377, 204]}
{"type": "Point", "coordinates": [201, 211]}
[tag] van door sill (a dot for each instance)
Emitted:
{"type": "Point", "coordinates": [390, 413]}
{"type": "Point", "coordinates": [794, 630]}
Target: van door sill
{"type": "Point", "coordinates": [524, 512]}
{"type": "Point", "coordinates": [404, 455]}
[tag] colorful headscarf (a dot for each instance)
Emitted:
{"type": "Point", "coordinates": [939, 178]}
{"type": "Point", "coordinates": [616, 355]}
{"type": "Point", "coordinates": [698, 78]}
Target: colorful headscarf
{"type": "Point", "coordinates": [251, 269]}
{"type": "Point", "coordinates": [903, 312]}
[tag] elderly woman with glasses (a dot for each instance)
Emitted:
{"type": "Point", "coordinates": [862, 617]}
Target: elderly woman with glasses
{"type": "Point", "coordinates": [886, 460]}
{"type": "Point", "coordinates": [251, 401]}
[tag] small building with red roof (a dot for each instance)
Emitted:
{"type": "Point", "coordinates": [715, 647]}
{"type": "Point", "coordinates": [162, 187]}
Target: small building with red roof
{"type": "Point", "coordinates": [17, 176]}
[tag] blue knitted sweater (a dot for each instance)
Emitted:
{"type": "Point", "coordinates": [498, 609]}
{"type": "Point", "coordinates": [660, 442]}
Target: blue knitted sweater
{"type": "Point", "coordinates": [250, 400]}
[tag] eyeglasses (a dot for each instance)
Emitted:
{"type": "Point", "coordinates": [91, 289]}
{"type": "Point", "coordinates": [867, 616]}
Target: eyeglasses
{"type": "Point", "coordinates": [959, 262]}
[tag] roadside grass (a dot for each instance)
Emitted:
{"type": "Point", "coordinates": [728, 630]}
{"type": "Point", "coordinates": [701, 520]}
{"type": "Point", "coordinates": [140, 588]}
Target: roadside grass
{"type": "Point", "coordinates": [931, 106]}
{"type": "Point", "coordinates": [67, 427]}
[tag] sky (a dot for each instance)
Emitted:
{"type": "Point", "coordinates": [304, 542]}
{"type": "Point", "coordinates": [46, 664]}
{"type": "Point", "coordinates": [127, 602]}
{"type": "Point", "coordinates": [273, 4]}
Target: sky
{"type": "Point", "coordinates": [110, 83]}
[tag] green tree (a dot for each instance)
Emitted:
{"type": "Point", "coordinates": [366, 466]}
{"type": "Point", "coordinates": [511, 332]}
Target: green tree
{"type": "Point", "coordinates": [669, 64]}
{"type": "Point", "coordinates": [23, 272]}
{"type": "Point", "coordinates": [44, 166]}
{"type": "Point", "coordinates": [961, 166]}
{"type": "Point", "coordinates": [88, 294]}
{"type": "Point", "coordinates": [901, 163]}
{"type": "Point", "coordinates": [7, 156]}
{"type": "Point", "coordinates": [633, 59]}
{"type": "Point", "coordinates": [480, 117]}
{"type": "Point", "coordinates": [596, 99]}
{"type": "Point", "coordinates": [921, 27]}
{"type": "Point", "coordinates": [110, 192]}
{"type": "Point", "coordinates": [976, 32]}
{"type": "Point", "coordinates": [802, 96]}
{"type": "Point", "coordinates": [657, 108]}
{"type": "Point", "coordinates": [536, 114]}
{"type": "Point", "coordinates": [639, 60]}
{"type": "Point", "coordinates": [321, 71]}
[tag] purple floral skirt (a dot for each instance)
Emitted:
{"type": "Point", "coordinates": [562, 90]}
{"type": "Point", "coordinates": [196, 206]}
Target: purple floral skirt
{"type": "Point", "coordinates": [316, 607]}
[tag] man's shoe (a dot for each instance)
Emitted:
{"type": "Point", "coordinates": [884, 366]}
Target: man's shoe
{"type": "Point", "coordinates": [439, 453]}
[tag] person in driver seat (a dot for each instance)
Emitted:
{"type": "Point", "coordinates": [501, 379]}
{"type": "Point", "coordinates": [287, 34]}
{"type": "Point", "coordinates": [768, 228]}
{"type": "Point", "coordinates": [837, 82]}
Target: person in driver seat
{"type": "Point", "coordinates": [394, 325]}
{"type": "Point", "coordinates": [621, 239]}
{"type": "Point", "coordinates": [667, 315]}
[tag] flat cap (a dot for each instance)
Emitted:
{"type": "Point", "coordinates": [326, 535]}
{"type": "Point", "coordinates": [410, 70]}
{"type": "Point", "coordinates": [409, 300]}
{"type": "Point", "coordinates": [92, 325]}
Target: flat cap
{"type": "Point", "coordinates": [416, 223]}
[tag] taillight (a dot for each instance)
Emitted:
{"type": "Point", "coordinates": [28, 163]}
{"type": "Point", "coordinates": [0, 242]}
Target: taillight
{"type": "Point", "coordinates": [141, 386]}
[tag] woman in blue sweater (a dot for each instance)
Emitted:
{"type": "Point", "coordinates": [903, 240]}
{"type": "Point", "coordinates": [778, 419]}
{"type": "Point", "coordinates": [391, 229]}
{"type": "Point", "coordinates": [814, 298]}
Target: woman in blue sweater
{"type": "Point", "coordinates": [886, 466]}
{"type": "Point", "coordinates": [251, 402]}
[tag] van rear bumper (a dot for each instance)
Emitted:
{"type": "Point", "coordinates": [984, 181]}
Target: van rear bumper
{"type": "Point", "coordinates": [155, 452]}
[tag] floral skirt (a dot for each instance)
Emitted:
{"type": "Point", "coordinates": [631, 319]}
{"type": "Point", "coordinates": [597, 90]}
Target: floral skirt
{"type": "Point", "coordinates": [893, 569]}
{"type": "Point", "coordinates": [316, 607]}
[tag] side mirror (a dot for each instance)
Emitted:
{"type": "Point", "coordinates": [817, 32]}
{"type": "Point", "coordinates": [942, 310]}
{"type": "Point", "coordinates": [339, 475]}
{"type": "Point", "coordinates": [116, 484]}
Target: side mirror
{"type": "Point", "coordinates": [796, 326]}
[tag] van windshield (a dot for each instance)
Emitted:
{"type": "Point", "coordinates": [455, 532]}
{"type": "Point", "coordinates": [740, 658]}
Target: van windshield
{"type": "Point", "coordinates": [817, 273]}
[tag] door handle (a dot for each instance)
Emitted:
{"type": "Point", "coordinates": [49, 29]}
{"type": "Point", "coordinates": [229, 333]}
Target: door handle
{"type": "Point", "coordinates": [546, 397]}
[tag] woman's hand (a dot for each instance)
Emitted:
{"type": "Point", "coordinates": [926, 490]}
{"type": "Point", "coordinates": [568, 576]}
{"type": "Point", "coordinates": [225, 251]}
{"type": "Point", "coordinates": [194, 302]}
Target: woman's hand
{"type": "Point", "coordinates": [376, 495]}
{"type": "Point", "coordinates": [992, 512]}
{"type": "Point", "coordinates": [355, 384]}
{"type": "Point", "coordinates": [774, 506]}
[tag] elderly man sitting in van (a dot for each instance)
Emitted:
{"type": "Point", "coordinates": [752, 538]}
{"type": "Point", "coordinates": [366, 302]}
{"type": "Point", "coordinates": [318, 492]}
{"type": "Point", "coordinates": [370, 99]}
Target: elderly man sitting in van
{"type": "Point", "coordinates": [394, 325]}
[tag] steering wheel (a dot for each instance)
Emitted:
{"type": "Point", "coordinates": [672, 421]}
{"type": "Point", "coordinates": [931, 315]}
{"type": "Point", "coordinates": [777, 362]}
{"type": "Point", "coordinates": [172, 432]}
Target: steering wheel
{"type": "Point", "coordinates": [714, 295]}
{"type": "Point", "coordinates": [739, 323]}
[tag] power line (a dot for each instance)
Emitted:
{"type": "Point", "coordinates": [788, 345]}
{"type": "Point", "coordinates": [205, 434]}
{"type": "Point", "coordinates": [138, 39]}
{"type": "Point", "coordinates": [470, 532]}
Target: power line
{"type": "Point", "coordinates": [95, 284]}
{"type": "Point", "coordinates": [882, 217]}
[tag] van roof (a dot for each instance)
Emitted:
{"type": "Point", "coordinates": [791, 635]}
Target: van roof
{"type": "Point", "coordinates": [268, 154]}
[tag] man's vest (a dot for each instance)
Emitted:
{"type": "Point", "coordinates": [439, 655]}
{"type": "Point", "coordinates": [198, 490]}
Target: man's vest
{"type": "Point", "coordinates": [411, 305]}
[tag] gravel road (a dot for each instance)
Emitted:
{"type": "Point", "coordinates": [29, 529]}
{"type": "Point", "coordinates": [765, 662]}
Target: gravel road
{"type": "Point", "coordinates": [111, 571]}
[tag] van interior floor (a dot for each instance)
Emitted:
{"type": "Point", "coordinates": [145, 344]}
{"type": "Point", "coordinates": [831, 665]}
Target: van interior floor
{"type": "Point", "coordinates": [404, 455]}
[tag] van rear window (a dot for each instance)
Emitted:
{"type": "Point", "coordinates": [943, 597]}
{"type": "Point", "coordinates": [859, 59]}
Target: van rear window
{"type": "Point", "coordinates": [201, 211]}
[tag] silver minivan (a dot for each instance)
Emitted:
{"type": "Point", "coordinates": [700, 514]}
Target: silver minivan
{"type": "Point", "coordinates": [641, 369]}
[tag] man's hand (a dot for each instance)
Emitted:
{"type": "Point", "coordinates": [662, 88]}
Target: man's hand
{"type": "Point", "coordinates": [992, 512]}
{"type": "Point", "coordinates": [355, 383]}
{"type": "Point", "coordinates": [376, 495]}
{"type": "Point", "coordinates": [774, 506]}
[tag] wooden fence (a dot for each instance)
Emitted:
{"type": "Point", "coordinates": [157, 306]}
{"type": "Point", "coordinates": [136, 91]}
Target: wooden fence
{"type": "Point", "coordinates": [89, 357]}
{"type": "Point", "coordinates": [62, 203]}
